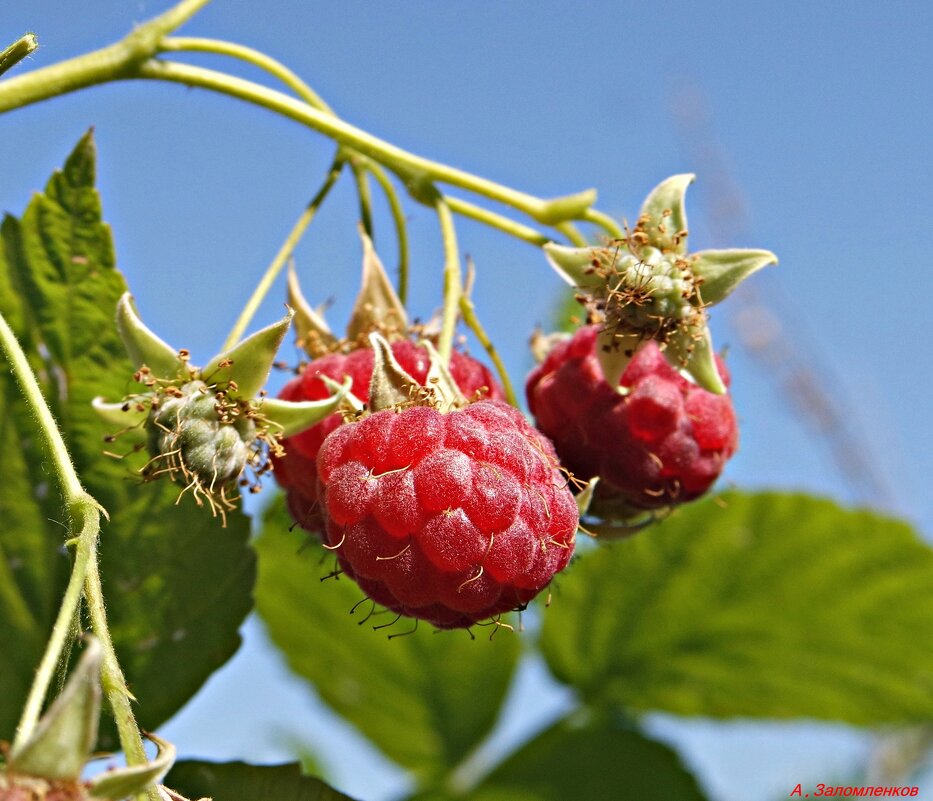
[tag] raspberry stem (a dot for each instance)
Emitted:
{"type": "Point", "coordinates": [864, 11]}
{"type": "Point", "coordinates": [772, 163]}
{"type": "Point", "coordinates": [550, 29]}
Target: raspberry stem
{"type": "Point", "coordinates": [16, 52]}
{"type": "Point", "coordinates": [84, 528]}
{"type": "Point", "coordinates": [133, 58]}
{"type": "Point", "coordinates": [453, 280]}
{"type": "Point", "coordinates": [285, 252]}
{"type": "Point", "coordinates": [359, 164]}
{"type": "Point", "coordinates": [468, 312]}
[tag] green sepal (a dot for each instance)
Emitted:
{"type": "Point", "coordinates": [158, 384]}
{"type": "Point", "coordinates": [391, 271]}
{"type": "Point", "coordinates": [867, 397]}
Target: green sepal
{"type": "Point", "coordinates": [542, 344]}
{"type": "Point", "coordinates": [624, 527]}
{"type": "Point", "coordinates": [614, 351]}
{"type": "Point", "coordinates": [64, 737]}
{"type": "Point", "coordinates": [390, 385]}
{"type": "Point", "coordinates": [377, 305]}
{"type": "Point", "coordinates": [664, 206]}
{"type": "Point", "coordinates": [143, 346]}
{"type": "Point", "coordinates": [248, 364]}
{"type": "Point", "coordinates": [125, 782]}
{"type": "Point", "coordinates": [723, 270]}
{"type": "Point", "coordinates": [691, 352]}
{"type": "Point", "coordinates": [291, 417]}
{"type": "Point", "coordinates": [566, 208]}
{"type": "Point", "coordinates": [440, 380]}
{"type": "Point", "coordinates": [309, 325]}
{"type": "Point", "coordinates": [124, 414]}
{"type": "Point", "coordinates": [585, 497]}
{"type": "Point", "coordinates": [575, 265]}
{"type": "Point", "coordinates": [350, 400]}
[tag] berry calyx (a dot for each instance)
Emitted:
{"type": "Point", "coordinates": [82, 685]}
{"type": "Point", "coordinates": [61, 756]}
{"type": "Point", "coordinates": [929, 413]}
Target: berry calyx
{"type": "Point", "coordinates": [452, 516]}
{"type": "Point", "coordinates": [210, 429]}
{"type": "Point", "coordinates": [661, 443]}
{"type": "Point", "coordinates": [647, 287]}
{"type": "Point", "coordinates": [47, 759]}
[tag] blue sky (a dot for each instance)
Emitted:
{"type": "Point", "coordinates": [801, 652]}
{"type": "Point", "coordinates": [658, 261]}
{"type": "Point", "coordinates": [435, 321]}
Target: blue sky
{"type": "Point", "coordinates": [808, 123]}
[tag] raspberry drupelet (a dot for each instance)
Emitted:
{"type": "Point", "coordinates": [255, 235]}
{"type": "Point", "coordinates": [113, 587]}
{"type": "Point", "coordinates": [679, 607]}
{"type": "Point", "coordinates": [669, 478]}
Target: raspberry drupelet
{"type": "Point", "coordinates": [449, 517]}
{"type": "Point", "coordinates": [663, 442]}
{"type": "Point", "coordinates": [296, 471]}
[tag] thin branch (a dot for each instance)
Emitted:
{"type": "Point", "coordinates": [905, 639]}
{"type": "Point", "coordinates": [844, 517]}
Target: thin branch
{"type": "Point", "coordinates": [284, 253]}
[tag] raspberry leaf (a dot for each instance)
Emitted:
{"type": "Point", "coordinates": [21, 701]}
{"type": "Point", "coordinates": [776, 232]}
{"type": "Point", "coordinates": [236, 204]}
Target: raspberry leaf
{"type": "Point", "coordinates": [723, 270]}
{"type": "Point", "coordinates": [753, 605]}
{"type": "Point", "coordinates": [585, 497]}
{"type": "Point", "coordinates": [595, 760]}
{"type": "Point", "coordinates": [446, 392]}
{"type": "Point", "coordinates": [425, 699]}
{"type": "Point", "coordinates": [614, 351]}
{"type": "Point", "coordinates": [59, 266]}
{"type": "Point", "coordinates": [665, 215]}
{"type": "Point", "coordinates": [119, 415]}
{"type": "Point", "coordinates": [239, 781]}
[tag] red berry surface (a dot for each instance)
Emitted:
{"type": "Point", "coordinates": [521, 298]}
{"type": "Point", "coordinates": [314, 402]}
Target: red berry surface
{"type": "Point", "coordinates": [665, 442]}
{"type": "Point", "coordinates": [452, 518]}
{"type": "Point", "coordinates": [296, 472]}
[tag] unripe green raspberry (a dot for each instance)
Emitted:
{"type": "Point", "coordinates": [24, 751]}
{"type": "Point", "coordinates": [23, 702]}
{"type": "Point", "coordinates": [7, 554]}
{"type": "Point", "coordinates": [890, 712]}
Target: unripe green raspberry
{"type": "Point", "coordinates": [645, 286]}
{"type": "Point", "coordinates": [210, 429]}
{"type": "Point", "coordinates": [651, 292]}
{"type": "Point", "coordinates": [199, 432]}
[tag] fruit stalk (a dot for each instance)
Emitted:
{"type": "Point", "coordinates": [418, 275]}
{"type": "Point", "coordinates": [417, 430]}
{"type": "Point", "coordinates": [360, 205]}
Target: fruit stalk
{"type": "Point", "coordinates": [84, 527]}
{"type": "Point", "coordinates": [285, 252]}
{"type": "Point", "coordinates": [133, 58]}
{"type": "Point", "coordinates": [453, 281]}
{"type": "Point", "coordinates": [16, 52]}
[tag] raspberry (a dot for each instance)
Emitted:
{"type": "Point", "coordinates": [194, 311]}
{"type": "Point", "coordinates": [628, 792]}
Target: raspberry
{"type": "Point", "coordinates": [662, 443]}
{"type": "Point", "coordinates": [449, 517]}
{"type": "Point", "coordinates": [296, 471]}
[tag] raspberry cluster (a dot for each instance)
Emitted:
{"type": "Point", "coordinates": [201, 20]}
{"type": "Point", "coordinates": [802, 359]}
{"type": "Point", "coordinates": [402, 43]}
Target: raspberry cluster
{"type": "Point", "coordinates": [449, 517]}
{"type": "Point", "coordinates": [663, 442]}
{"type": "Point", "coordinates": [296, 471]}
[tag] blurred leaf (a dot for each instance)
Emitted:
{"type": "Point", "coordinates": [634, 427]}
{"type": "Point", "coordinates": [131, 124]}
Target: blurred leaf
{"type": "Point", "coordinates": [177, 584]}
{"type": "Point", "coordinates": [767, 605]}
{"type": "Point", "coordinates": [426, 699]}
{"type": "Point", "coordinates": [238, 781]}
{"type": "Point", "coordinates": [595, 761]}
{"type": "Point", "coordinates": [568, 314]}
{"type": "Point", "coordinates": [178, 587]}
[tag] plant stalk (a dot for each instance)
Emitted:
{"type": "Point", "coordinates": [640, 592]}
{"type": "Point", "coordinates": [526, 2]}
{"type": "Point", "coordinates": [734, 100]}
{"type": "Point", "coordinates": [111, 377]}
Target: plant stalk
{"type": "Point", "coordinates": [453, 281]}
{"type": "Point", "coordinates": [16, 52]}
{"type": "Point", "coordinates": [284, 253]}
{"type": "Point", "coordinates": [84, 518]}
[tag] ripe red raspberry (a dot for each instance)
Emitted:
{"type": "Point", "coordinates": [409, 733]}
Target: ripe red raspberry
{"type": "Point", "coordinates": [296, 471]}
{"type": "Point", "coordinates": [452, 518]}
{"type": "Point", "coordinates": [662, 443]}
